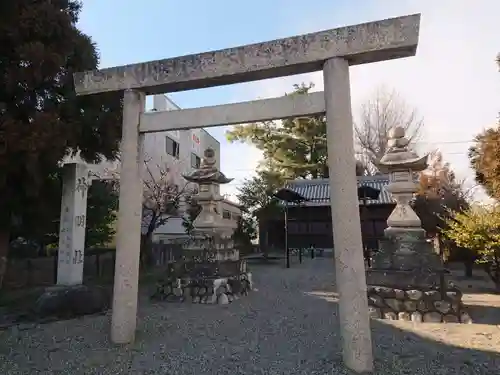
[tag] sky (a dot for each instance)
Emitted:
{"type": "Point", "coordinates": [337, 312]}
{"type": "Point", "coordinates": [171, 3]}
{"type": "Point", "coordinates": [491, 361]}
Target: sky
{"type": "Point", "coordinates": [453, 80]}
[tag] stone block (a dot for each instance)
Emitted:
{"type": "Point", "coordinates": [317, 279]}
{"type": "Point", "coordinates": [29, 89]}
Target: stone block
{"type": "Point", "coordinates": [410, 305]}
{"type": "Point", "coordinates": [222, 299]}
{"type": "Point", "coordinates": [443, 307]}
{"type": "Point", "coordinates": [414, 294]}
{"type": "Point", "coordinates": [433, 295]}
{"type": "Point", "coordinates": [416, 317]}
{"type": "Point", "coordinates": [407, 280]}
{"type": "Point", "coordinates": [395, 304]}
{"type": "Point", "coordinates": [424, 305]}
{"type": "Point", "coordinates": [389, 315]}
{"type": "Point", "coordinates": [374, 312]}
{"type": "Point", "coordinates": [375, 300]}
{"type": "Point", "coordinates": [404, 316]}
{"type": "Point", "coordinates": [454, 295]}
{"type": "Point", "coordinates": [432, 317]}
{"type": "Point", "coordinates": [399, 294]}
{"type": "Point", "coordinates": [465, 318]}
{"type": "Point", "coordinates": [450, 318]}
{"type": "Point", "coordinates": [67, 302]}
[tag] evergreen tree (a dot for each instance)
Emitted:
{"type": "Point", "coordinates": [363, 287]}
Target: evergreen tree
{"type": "Point", "coordinates": [41, 118]}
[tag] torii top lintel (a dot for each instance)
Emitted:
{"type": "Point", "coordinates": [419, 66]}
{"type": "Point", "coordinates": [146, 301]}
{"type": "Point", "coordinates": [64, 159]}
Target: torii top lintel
{"type": "Point", "coordinates": [359, 44]}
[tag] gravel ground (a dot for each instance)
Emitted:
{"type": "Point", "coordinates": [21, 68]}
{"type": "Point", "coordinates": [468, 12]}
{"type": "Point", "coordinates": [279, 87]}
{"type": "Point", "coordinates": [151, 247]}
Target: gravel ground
{"type": "Point", "coordinates": [288, 326]}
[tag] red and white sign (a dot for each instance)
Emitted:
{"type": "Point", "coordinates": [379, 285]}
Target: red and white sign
{"type": "Point", "coordinates": [196, 141]}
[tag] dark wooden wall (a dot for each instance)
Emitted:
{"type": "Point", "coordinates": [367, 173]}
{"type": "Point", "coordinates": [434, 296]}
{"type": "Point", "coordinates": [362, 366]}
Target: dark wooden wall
{"type": "Point", "coordinates": [313, 226]}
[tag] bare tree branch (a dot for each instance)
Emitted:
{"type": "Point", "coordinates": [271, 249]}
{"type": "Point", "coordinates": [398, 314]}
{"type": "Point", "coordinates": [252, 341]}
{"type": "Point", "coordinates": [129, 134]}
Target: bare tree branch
{"type": "Point", "coordinates": [385, 110]}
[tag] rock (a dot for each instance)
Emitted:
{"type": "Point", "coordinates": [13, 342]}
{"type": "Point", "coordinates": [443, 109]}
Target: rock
{"type": "Point", "coordinates": [222, 299]}
{"type": "Point", "coordinates": [395, 304]}
{"type": "Point", "coordinates": [433, 295]}
{"type": "Point", "coordinates": [404, 316]}
{"type": "Point", "coordinates": [399, 294]}
{"type": "Point", "coordinates": [221, 290]}
{"type": "Point", "coordinates": [410, 305]}
{"type": "Point", "coordinates": [424, 306]}
{"type": "Point", "coordinates": [414, 294]}
{"type": "Point", "coordinates": [465, 318]}
{"type": "Point", "coordinates": [172, 298]}
{"type": "Point", "coordinates": [449, 318]}
{"type": "Point", "coordinates": [235, 285]}
{"type": "Point", "coordinates": [442, 306]}
{"type": "Point", "coordinates": [385, 292]}
{"type": "Point", "coordinates": [416, 317]}
{"type": "Point", "coordinates": [455, 306]}
{"type": "Point", "coordinates": [374, 312]}
{"type": "Point", "coordinates": [71, 301]}
{"type": "Point", "coordinates": [167, 289]}
{"type": "Point", "coordinates": [432, 317]}
{"type": "Point", "coordinates": [454, 295]}
{"type": "Point", "coordinates": [376, 300]}
{"type": "Point", "coordinates": [390, 315]}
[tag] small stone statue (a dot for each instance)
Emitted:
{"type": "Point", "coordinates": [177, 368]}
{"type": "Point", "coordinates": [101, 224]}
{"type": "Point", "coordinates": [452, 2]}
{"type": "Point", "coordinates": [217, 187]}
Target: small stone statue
{"type": "Point", "coordinates": [208, 172]}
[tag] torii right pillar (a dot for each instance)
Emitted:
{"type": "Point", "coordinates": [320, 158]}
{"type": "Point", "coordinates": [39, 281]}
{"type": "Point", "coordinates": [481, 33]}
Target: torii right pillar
{"type": "Point", "coordinates": [349, 263]}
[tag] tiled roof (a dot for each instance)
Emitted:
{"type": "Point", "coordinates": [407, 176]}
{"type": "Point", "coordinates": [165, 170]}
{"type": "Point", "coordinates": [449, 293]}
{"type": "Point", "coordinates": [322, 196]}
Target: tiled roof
{"type": "Point", "coordinates": [318, 190]}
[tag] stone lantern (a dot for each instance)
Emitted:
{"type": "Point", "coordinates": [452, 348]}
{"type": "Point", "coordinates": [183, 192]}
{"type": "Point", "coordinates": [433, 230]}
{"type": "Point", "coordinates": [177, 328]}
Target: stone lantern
{"type": "Point", "coordinates": [210, 233]}
{"type": "Point", "coordinates": [407, 280]}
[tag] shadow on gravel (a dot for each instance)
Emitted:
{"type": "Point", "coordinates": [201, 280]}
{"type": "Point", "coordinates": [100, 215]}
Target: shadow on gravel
{"type": "Point", "coordinates": [398, 350]}
{"type": "Point", "coordinates": [289, 326]}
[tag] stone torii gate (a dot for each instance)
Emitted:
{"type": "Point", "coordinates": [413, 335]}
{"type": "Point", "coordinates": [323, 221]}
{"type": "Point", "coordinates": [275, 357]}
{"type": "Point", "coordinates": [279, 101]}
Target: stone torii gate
{"type": "Point", "coordinates": [332, 51]}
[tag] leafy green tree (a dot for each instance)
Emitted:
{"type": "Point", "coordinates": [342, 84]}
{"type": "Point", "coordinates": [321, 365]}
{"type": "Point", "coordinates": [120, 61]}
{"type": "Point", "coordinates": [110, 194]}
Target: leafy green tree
{"type": "Point", "coordinates": [244, 233]}
{"type": "Point", "coordinates": [41, 227]}
{"type": "Point", "coordinates": [478, 229]}
{"type": "Point", "coordinates": [294, 148]}
{"type": "Point", "coordinates": [102, 206]}
{"type": "Point", "coordinates": [41, 118]}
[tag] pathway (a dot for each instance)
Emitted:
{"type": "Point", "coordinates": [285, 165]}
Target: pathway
{"type": "Point", "coordinates": [288, 326]}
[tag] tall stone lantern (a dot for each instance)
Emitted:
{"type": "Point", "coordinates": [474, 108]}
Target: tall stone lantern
{"type": "Point", "coordinates": [210, 233]}
{"type": "Point", "coordinates": [407, 280]}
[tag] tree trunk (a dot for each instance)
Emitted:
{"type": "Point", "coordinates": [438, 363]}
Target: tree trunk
{"type": "Point", "coordinates": [4, 250]}
{"type": "Point", "coordinates": [469, 265]}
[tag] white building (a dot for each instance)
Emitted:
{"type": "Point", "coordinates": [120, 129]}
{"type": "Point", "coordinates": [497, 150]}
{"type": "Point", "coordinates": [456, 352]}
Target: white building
{"type": "Point", "coordinates": [180, 151]}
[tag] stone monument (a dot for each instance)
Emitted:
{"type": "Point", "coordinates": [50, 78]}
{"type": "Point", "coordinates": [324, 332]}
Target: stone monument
{"type": "Point", "coordinates": [210, 234]}
{"type": "Point", "coordinates": [407, 280]}
{"type": "Point", "coordinates": [211, 270]}
{"type": "Point", "coordinates": [71, 297]}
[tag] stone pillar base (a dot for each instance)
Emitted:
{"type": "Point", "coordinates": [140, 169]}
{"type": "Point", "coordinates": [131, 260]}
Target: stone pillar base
{"type": "Point", "coordinates": [66, 302]}
{"type": "Point", "coordinates": [221, 290]}
{"type": "Point", "coordinates": [417, 305]}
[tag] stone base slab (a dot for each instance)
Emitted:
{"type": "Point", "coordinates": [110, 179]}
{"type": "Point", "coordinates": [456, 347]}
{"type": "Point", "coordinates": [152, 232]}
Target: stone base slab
{"type": "Point", "coordinates": [222, 290]}
{"type": "Point", "coordinates": [417, 305]}
{"type": "Point", "coordinates": [404, 279]}
{"type": "Point", "coordinates": [66, 302]}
